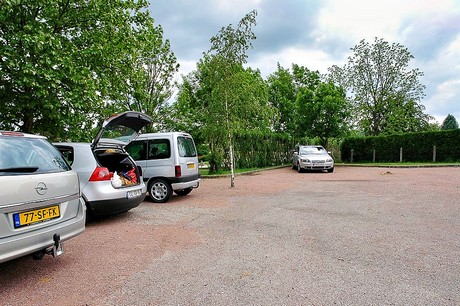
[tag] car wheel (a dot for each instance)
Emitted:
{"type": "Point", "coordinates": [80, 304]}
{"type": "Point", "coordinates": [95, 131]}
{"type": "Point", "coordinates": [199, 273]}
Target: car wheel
{"type": "Point", "coordinates": [183, 192]}
{"type": "Point", "coordinates": [160, 191]}
{"type": "Point", "coordinates": [330, 170]}
{"type": "Point", "coordinates": [294, 167]}
{"type": "Point", "coordinates": [299, 169]}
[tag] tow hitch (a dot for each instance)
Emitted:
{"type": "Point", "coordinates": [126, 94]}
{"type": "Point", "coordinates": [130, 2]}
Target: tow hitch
{"type": "Point", "coordinates": [58, 247]}
{"type": "Point", "coordinates": [56, 250]}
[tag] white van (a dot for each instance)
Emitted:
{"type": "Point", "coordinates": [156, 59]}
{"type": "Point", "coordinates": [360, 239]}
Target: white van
{"type": "Point", "coordinates": [169, 163]}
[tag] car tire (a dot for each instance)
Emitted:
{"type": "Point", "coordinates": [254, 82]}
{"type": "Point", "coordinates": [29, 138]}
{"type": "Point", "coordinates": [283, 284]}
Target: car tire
{"type": "Point", "coordinates": [160, 191]}
{"type": "Point", "coordinates": [183, 192]}
{"type": "Point", "coordinates": [330, 170]}
{"type": "Point", "coordinates": [294, 167]}
{"type": "Point", "coordinates": [299, 169]}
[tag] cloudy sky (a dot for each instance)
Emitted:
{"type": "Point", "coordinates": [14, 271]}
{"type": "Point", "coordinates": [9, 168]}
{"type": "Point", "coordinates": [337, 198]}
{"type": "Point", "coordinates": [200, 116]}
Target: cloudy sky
{"type": "Point", "coordinates": [319, 33]}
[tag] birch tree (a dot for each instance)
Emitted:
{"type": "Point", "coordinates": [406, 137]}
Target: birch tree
{"type": "Point", "coordinates": [228, 91]}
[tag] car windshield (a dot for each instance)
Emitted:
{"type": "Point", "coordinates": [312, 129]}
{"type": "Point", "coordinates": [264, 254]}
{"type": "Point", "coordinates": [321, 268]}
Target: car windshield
{"type": "Point", "coordinates": [312, 150]}
{"type": "Point", "coordinates": [29, 155]}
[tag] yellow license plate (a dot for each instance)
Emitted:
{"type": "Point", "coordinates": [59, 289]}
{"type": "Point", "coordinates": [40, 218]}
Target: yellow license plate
{"type": "Point", "coordinates": [36, 216]}
{"type": "Point", "coordinates": [191, 166]}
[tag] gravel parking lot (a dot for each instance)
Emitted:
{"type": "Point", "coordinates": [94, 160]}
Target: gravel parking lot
{"type": "Point", "coordinates": [358, 236]}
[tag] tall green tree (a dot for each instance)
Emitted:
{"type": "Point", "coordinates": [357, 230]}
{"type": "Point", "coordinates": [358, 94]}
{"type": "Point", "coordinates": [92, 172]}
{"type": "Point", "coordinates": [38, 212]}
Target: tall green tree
{"type": "Point", "coordinates": [153, 77]}
{"type": "Point", "coordinates": [327, 113]}
{"type": "Point", "coordinates": [306, 82]}
{"type": "Point", "coordinates": [381, 82]}
{"type": "Point", "coordinates": [65, 65]}
{"type": "Point", "coordinates": [282, 94]}
{"type": "Point", "coordinates": [307, 106]}
{"type": "Point", "coordinates": [449, 123]}
{"type": "Point", "coordinates": [187, 112]}
{"type": "Point", "coordinates": [232, 97]}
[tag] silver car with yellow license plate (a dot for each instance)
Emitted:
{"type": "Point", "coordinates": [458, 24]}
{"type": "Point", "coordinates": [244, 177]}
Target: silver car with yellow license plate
{"type": "Point", "coordinates": [312, 157]}
{"type": "Point", "coordinates": [110, 180]}
{"type": "Point", "coordinates": [40, 200]}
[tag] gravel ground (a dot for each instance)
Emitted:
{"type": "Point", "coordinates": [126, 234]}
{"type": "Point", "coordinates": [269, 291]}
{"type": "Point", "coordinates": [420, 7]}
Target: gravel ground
{"type": "Point", "coordinates": [358, 236]}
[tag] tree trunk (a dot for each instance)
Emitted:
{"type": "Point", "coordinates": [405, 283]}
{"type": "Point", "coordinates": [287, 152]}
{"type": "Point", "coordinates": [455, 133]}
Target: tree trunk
{"type": "Point", "coordinates": [232, 179]}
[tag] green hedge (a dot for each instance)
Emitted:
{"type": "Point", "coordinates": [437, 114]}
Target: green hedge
{"type": "Point", "coordinates": [416, 147]}
{"type": "Point", "coordinates": [255, 150]}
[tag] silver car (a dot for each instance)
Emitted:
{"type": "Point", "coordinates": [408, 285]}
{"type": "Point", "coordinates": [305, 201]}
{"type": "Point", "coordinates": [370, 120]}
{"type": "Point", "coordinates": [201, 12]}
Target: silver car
{"type": "Point", "coordinates": [110, 180]}
{"type": "Point", "coordinates": [40, 200]}
{"type": "Point", "coordinates": [169, 162]}
{"type": "Point", "coordinates": [312, 158]}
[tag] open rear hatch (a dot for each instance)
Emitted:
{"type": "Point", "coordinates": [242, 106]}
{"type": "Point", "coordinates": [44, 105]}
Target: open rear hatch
{"type": "Point", "coordinates": [121, 129]}
{"type": "Point", "coordinates": [108, 146]}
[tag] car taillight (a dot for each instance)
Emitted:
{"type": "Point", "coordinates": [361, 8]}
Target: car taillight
{"type": "Point", "coordinates": [100, 174]}
{"type": "Point", "coordinates": [5, 133]}
{"type": "Point", "coordinates": [178, 171]}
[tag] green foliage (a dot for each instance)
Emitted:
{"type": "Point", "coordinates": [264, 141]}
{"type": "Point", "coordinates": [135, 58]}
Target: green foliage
{"type": "Point", "coordinates": [66, 65]}
{"type": "Point", "coordinates": [152, 78]}
{"type": "Point", "coordinates": [386, 94]}
{"type": "Point", "coordinates": [416, 147]}
{"type": "Point", "coordinates": [450, 123]}
{"type": "Point", "coordinates": [257, 149]}
{"type": "Point", "coordinates": [222, 98]}
{"type": "Point", "coordinates": [307, 106]}
{"type": "Point", "coordinates": [281, 96]}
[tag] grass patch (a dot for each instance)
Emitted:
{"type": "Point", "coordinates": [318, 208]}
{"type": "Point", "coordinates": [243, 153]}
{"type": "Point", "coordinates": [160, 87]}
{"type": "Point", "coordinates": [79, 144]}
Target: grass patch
{"type": "Point", "coordinates": [227, 172]}
{"type": "Point", "coordinates": [205, 172]}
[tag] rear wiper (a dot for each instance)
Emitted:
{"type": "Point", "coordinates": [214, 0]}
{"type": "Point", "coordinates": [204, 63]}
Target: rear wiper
{"type": "Point", "coordinates": [20, 169]}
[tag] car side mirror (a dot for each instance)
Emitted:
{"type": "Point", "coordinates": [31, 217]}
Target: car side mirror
{"type": "Point", "coordinates": [296, 153]}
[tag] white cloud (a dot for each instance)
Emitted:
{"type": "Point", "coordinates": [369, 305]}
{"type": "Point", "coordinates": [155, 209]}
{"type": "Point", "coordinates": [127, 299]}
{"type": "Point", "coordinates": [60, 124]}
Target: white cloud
{"type": "Point", "coordinates": [319, 33]}
{"type": "Point", "coordinates": [444, 101]}
{"type": "Point", "coordinates": [363, 19]}
{"type": "Point", "coordinates": [186, 67]}
{"type": "Point", "coordinates": [312, 59]}
{"type": "Point", "coordinates": [442, 78]}
{"type": "Point", "coordinates": [237, 8]}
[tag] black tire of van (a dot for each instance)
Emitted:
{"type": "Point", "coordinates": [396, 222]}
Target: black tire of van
{"type": "Point", "coordinates": [163, 186]}
{"type": "Point", "coordinates": [183, 192]}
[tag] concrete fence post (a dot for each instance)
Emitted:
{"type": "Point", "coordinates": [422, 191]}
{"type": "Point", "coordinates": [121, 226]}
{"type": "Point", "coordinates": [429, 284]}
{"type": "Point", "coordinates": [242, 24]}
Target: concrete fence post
{"type": "Point", "coordinates": [400, 155]}
{"type": "Point", "coordinates": [434, 154]}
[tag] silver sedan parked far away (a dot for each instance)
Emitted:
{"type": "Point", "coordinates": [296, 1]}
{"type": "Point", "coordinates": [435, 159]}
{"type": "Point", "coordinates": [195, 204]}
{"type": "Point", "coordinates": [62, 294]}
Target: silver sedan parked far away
{"type": "Point", "coordinates": [312, 158]}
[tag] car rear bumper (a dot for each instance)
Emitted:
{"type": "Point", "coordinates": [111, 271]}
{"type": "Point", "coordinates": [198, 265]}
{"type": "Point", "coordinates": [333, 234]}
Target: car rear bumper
{"type": "Point", "coordinates": [103, 199]}
{"type": "Point", "coordinates": [41, 239]}
{"type": "Point", "coordinates": [185, 185]}
{"type": "Point", "coordinates": [186, 182]}
{"type": "Point", "coordinates": [115, 206]}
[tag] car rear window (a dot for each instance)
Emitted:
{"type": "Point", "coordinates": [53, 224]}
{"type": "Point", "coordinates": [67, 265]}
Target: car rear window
{"type": "Point", "coordinates": [68, 153]}
{"type": "Point", "coordinates": [186, 147]}
{"type": "Point", "coordinates": [29, 155]}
